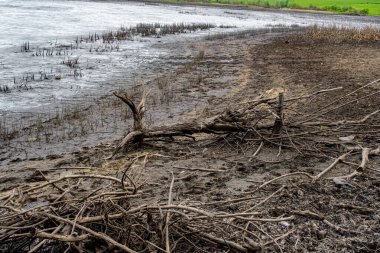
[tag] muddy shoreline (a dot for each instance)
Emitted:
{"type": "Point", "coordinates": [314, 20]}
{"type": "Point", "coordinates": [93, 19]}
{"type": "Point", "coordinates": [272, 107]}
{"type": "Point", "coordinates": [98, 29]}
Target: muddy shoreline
{"type": "Point", "coordinates": [70, 116]}
{"type": "Point", "coordinates": [88, 121]}
{"type": "Point", "coordinates": [96, 64]}
{"type": "Point", "coordinates": [227, 175]}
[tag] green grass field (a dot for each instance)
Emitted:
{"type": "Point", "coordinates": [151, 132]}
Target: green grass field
{"type": "Point", "coordinates": [370, 7]}
{"type": "Point", "coordinates": [356, 7]}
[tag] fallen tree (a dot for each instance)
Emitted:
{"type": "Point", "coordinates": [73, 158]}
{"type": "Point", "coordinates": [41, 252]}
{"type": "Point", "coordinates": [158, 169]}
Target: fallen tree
{"type": "Point", "coordinates": [227, 122]}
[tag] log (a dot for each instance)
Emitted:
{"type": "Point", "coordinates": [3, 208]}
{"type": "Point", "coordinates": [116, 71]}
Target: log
{"type": "Point", "coordinates": [227, 121]}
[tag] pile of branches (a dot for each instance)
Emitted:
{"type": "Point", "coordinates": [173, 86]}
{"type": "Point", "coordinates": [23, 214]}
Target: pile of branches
{"type": "Point", "coordinates": [68, 214]}
{"type": "Point", "coordinates": [102, 213]}
{"type": "Point", "coordinates": [71, 214]}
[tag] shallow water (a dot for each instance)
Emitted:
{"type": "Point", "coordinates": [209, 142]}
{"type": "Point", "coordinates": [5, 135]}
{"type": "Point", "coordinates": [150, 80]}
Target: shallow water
{"type": "Point", "coordinates": [46, 24]}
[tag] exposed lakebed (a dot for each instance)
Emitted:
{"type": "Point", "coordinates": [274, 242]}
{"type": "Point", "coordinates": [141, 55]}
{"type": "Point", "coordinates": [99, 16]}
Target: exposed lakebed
{"type": "Point", "coordinates": [41, 39]}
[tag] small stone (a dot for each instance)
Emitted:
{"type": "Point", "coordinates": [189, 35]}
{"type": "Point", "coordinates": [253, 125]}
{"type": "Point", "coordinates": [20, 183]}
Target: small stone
{"type": "Point", "coordinates": [340, 181]}
{"type": "Point", "coordinates": [284, 224]}
{"type": "Point", "coordinates": [321, 234]}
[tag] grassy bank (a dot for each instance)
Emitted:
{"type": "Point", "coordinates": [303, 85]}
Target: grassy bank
{"type": "Point", "coordinates": [353, 7]}
{"type": "Point", "coordinates": [371, 7]}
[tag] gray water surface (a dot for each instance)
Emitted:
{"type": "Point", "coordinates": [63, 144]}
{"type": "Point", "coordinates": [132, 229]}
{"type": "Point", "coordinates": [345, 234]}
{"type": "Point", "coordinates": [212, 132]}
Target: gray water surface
{"type": "Point", "coordinates": [47, 23]}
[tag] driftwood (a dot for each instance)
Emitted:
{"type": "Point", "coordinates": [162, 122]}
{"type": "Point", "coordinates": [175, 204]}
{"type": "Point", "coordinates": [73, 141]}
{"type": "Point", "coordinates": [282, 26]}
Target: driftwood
{"type": "Point", "coordinates": [226, 122]}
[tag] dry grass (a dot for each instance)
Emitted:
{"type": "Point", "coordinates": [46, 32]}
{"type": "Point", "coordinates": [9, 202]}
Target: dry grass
{"type": "Point", "coordinates": [340, 34]}
{"type": "Point", "coordinates": [145, 30]}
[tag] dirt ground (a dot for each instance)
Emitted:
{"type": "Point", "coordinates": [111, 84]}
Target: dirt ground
{"type": "Point", "coordinates": [225, 173]}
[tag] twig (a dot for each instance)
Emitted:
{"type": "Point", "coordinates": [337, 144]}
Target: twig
{"type": "Point", "coordinates": [224, 242]}
{"type": "Point", "coordinates": [71, 177]}
{"type": "Point", "coordinates": [223, 202]}
{"type": "Point", "coordinates": [150, 243]}
{"type": "Point", "coordinates": [365, 159]}
{"type": "Point", "coordinates": [92, 232]}
{"type": "Point", "coordinates": [76, 168]}
{"type": "Point", "coordinates": [336, 161]}
{"type": "Point", "coordinates": [308, 213]}
{"type": "Point", "coordinates": [258, 149]}
{"type": "Point", "coordinates": [127, 167]}
{"type": "Point", "coordinates": [62, 238]}
{"type": "Point", "coordinates": [313, 94]}
{"type": "Point", "coordinates": [231, 215]}
{"type": "Point", "coordinates": [266, 100]}
{"type": "Point", "coordinates": [283, 176]}
{"type": "Point", "coordinates": [265, 233]}
{"type": "Point", "coordinates": [279, 238]}
{"type": "Point", "coordinates": [199, 169]}
{"type": "Point", "coordinates": [41, 243]}
{"type": "Point", "coordinates": [360, 209]}
{"type": "Point", "coordinates": [267, 219]}
{"type": "Point", "coordinates": [170, 199]}
{"type": "Point", "coordinates": [342, 122]}
{"type": "Point", "coordinates": [339, 106]}
{"type": "Point", "coordinates": [346, 95]}
{"type": "Point", "coordinates": [142, 208]}
{"type": "Point", "coordinates": [77, 216]}
{"type": "Point", "coordinates": [265, 200]}
{"type": "Point", "coordinates": [56, 186]}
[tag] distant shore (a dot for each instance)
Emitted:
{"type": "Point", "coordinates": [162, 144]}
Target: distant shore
{"type": "Point", "coordinates": [334, 10]}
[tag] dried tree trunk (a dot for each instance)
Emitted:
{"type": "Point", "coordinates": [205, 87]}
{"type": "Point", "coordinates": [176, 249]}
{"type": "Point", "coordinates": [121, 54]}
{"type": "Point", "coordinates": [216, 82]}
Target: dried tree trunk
{"type": "Point", "coordinates": [222, 123]}
{"type": "Point", "coordinates": [137, 111]}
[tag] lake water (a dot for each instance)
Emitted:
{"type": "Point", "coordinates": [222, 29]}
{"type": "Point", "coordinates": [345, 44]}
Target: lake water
{"type": "Point", "coordinates": [46, 24]}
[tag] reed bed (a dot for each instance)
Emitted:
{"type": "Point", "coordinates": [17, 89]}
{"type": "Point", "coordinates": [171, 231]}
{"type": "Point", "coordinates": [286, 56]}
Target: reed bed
{"type": "Point", "coordinates": [341, 34]}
